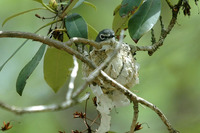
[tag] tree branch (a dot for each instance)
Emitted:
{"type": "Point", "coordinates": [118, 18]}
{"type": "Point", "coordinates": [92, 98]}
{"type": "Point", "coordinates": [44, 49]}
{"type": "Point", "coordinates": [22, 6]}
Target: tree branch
{"type": "Point", "coordinates": [159, 112]}
{"type": "Point", "coordinates": [65, 105]}
{"type": "Point", "coordinates": [133, 97]}
{"type": "Point", "coordinates": [135, 116]}
{"type": "Point", "coordinates": [42, 108]}
{"type": "Point", "coordinates": [62, 46]}
{"type": "Point", "coordinates": [54, 43]}
{"type": "Point", "coordinates": [72, 79]}
{"type": "Point", "coordinates": [68, 103]}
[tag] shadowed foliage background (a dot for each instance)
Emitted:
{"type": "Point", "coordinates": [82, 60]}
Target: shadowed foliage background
{"type": "Point", "coordinates": [169, 79]}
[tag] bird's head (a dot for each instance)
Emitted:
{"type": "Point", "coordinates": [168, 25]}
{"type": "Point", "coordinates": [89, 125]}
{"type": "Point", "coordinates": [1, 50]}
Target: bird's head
{"type": "Point", "coordinates": [105, 34]}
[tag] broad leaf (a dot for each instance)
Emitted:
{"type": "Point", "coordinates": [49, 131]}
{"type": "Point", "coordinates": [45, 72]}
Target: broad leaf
{"type": "Point", "coordinates": [28, 69]}
{"type": "Point", "coordinates": [119, 22]}
{"type": "Point", "coordinates": [92, 33]}
{"type": "Point", "coordinates": [129, 6]}
{"type": "Point", "coordinates": [144, 19]}
{"type": "Point", "coordinates": [13, 54]}
{"type": "Point", "coordinates": [76, 26]}
{"type": "Point", "coordinates": [57, 66]}
{"type": "Point", "coordinates": [18, 14]}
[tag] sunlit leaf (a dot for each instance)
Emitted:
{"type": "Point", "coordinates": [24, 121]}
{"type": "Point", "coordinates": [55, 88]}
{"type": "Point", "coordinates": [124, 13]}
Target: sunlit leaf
{"type": "Point", "coordinates": [144, 19]}
{"type": "Point", "coordinates": [76, 26]}
{"type": "Point", "coordinates": [18, 14]}
{"type": "Point", "coordinates": [57, 66]}
{"type": "Point", "coordinates": [129, 6]}
{"type": "Point", "coordinates": [28, 69]}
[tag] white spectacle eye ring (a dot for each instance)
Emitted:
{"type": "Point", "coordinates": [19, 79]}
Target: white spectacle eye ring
{"type": "Point", "coordinates": [102, 36]}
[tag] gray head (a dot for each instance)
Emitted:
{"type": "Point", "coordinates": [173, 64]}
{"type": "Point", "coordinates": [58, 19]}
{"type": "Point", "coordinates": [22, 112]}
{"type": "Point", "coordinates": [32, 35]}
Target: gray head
{"type": "Point", "coordinates": [104, 35]}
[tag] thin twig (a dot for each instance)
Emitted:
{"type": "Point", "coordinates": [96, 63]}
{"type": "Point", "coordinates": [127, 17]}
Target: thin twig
{"type": "Point", "coordinates": [153, 38]}
{"type": "Point", "coordinates": [152, 48]}
{"type": "Point", "coordinates": [134, 97]}
{"type": "Point", "coordinates": [41, 108]}
{"type": "Point", "coordinates": [169, 4]}
{"type": "Point", "coordinates": [72, 79]}
{"type": "Point", "coordinates": [83, 41]}
{"type": "Point", "coordinates": [164, 33]}
{"type": "Point", "coordinates": [64, 13]}
{"type": "Point", "coordinates": [135, 116]}
{"type": "Point", "coordinates": [160, 114]}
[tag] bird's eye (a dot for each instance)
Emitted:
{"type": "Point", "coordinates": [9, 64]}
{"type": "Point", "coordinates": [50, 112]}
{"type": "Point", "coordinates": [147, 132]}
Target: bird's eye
{"type": "Point", "coordinates": [102, 37]}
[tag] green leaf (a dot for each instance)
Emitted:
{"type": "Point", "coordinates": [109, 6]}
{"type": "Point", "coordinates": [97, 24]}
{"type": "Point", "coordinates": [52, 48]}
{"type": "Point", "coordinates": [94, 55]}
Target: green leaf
{"type": "Point", "coordinates": [76, 26]}
{"type": "Point", "coordinates": [90, 4]}
{"type": "Point", "coordinates": [18, 14]}
{"type": "Point", "coordinates": [129, 6]}
{"type": "Point", "coordinates": [56, 67]}
{"type": "Point", "coordinates": [13, 54]}
{"type": "Point", "coordinates": [144, 19]}
{"type": "Point", "coordinates": [92, 33]}
{"type": "Point", "coordinates": [119, 22]}
{"type": "Point", "coordinates": [28, 69]}
{"type": "Point", "coordinates": [50, 23]}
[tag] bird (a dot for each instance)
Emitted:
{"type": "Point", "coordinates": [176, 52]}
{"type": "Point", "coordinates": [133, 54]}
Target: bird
{"type": "Point", "coordinates": [104, 35]}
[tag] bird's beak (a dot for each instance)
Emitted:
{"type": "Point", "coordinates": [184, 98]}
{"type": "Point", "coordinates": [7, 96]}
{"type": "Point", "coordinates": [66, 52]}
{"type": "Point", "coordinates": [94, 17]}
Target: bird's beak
{"type": "Point", "coordinates": [112, 35]}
